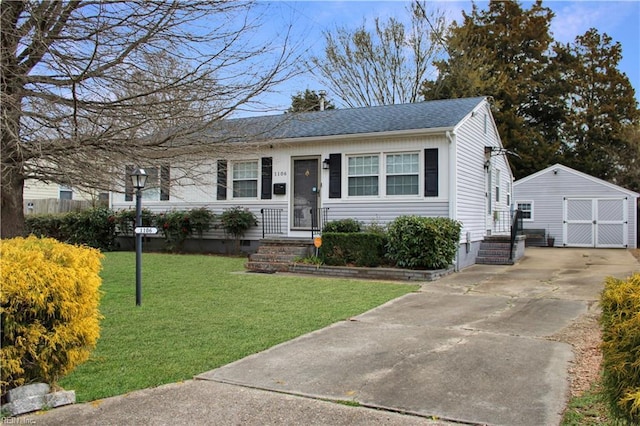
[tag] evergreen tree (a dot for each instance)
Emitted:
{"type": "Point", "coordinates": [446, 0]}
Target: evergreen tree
{"type": "Point", "coordinates": [601, 107]}
{"type": "Point", "coordinates": [502, 52]}
{"type": "Point", "coordinates": [308, 101]}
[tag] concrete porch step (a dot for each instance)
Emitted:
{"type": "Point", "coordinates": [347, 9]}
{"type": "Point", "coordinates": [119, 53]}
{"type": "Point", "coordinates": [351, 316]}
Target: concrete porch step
{"type": "Point", "coordinates": [494, 260]}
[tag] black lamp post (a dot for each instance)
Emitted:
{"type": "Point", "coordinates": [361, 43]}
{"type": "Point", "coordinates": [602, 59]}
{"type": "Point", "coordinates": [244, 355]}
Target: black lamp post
{"type": "Point", "coordinates": [138, 178]}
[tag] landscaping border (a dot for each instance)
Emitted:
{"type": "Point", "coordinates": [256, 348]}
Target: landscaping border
{"type": "Point", "coordinates": [392, 274]}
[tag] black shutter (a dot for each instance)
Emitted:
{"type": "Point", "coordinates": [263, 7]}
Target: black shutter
{"type": "Point", "coordinates": [165, 182]}
{"type": "Point", "coordinates": [335, 175]}
{"type": "Point", "coordinates": [431, 172]}
{"type": "Point", "coordinates": [267, 172]}
{"type": "Point", "coordinates": [128, 185]}
{"type": "Point", "coordinates": [222, 180]}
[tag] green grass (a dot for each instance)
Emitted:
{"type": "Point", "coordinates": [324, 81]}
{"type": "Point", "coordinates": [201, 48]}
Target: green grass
{"type": "Point", "coordinates": [588, 409]}
{"type": "Point", "coordinates": [201, 312]}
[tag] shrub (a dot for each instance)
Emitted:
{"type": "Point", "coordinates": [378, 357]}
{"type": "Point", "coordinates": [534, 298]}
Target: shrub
{"type": "Point", "coordinates": [359, 249]}
{"type": "Point", "coordinates": [49, 309]}
{"type": "Point", "coordinates": [126, 220]}
{"type": "Point", "coordinates": [46, 225]}
{"type": "Point", "coordinates": [423, 242]}
{"type": "Point", "coordinates": [621, 346]}
{"type": "Point", "coordinates": [236, 221]}
{"type": "Point", "coordinates": [343, 225]}
{"type": "Point", "coordinates": [201, 220]}
{"type": "Point", "coordinates": [176, 227]}
{"type": "Point", "coordinates": [94, 227]}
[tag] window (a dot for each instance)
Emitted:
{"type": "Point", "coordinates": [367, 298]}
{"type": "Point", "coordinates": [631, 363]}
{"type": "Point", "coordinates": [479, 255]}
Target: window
{"type": "Point", "coordinates": [156, 187]}
{"type": "Point", "coordinates": [245, 179]}
{"type": "Point", "coordinates": [402, 174]}
{"type": "Point", "coordinates": [363, 175]}
{"type": "Point", "coordinates": [498, 186]}
{"type": "Point", "coordinates": [527, 209]}
{"type": "Point", "coordinates": [66, 193]}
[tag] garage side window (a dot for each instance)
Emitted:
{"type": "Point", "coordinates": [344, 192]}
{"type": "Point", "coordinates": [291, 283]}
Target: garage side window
{"type": "Point", "coordinates": [527, 209]}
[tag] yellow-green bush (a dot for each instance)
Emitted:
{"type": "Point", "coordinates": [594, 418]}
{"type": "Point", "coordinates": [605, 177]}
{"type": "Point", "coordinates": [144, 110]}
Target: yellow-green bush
{"type": "Point", "coordinates": [621, 346]}
{"type": "Point", "coordinates": [49, 309]}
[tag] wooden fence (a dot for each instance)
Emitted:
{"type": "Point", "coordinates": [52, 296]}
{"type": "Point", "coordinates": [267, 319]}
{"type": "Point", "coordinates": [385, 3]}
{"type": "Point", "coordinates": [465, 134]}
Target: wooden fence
{"type": "Point", "coordinates": [54, 205]}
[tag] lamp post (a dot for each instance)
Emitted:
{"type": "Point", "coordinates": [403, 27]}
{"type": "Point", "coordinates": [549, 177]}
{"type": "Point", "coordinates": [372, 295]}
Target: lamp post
{"type": "Point", "coordinates": [138, 179]}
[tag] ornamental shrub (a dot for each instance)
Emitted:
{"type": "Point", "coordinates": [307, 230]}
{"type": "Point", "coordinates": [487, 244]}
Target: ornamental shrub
{"type": "Point", "coordinates": [48, 307]}
{"type": "Point", "coordinates": [417, 242]}
{"type": "Point", "coordinates": [93, 227]}
{"type": "Point", "coordinates": [620, 322]}
{"type": "Point", "coordinates": [176, 228]}
{"type": "Point", "coordinates": [343, 225]}
{"type": "Point", "coordinates": [126, 220]}
{"type": "Point", "coordinates": [236, 221]}
{"type": "Point", "coordinates": [359, 249]}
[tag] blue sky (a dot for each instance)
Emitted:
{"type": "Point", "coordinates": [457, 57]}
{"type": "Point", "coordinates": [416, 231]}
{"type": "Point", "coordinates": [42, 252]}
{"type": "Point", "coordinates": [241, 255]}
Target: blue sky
{"type": "Point", "coordinates": [619, 19]}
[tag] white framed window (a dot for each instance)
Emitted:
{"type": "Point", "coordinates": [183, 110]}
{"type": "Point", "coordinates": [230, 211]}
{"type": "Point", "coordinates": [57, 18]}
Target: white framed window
{"type": "Point", "coordinates": [363, 172]}
{"type": "Point", "coordinates": [527, 209]}
{"type": "Point", "coordinates": [245, 179]}
{"type": "Point", "coordinates": [498, 182]}
{"type": "Point", "coordinates": [403, 174]}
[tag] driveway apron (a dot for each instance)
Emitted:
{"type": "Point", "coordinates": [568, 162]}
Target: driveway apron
{"type": "Point", "coordinates": [472, 347]}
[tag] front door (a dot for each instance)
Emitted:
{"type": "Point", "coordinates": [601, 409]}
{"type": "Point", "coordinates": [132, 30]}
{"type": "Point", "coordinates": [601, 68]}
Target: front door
{"type": "Point", "coordinates": [305, 192]}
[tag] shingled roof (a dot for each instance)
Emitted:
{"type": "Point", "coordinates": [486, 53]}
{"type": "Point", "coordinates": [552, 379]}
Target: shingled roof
{"type": "Point", "coordinates": [377, 119]}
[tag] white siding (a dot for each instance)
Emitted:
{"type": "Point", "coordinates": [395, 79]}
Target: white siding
{"type": "Point", "coordinates": [548, 188]}
{"type": "Point", "coordinates": [201, 192]}
{"type": "Point", "coordinates": [471, 138]}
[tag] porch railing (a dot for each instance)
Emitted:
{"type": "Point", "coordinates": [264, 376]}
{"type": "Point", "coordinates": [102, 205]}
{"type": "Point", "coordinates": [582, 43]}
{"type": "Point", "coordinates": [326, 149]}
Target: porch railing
{"type": "Point", "coordinates": [271, 221]}
{"type": "Point", "coordinates": [502, 220]}
{"type": "Point", "coordinates": [318, 220]}
{"type": "Point", "coordinates": [516, 229]}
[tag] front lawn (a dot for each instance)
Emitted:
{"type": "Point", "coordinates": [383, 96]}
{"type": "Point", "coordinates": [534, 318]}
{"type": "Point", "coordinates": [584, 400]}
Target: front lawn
{"type": "Point", "coordinates": [201, 312]}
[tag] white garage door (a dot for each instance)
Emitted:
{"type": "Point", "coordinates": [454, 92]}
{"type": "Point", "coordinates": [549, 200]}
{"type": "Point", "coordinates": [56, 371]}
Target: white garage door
{"type": "Point", "coordinates": [595, 222]}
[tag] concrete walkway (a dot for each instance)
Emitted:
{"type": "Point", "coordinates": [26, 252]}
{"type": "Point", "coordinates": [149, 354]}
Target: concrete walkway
{"type": "Point", "coordinates": [470, 348]}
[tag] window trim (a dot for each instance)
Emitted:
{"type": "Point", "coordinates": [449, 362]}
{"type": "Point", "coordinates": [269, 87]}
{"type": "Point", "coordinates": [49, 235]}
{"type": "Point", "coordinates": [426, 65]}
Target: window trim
{"type": "Point", "coordinates": [530, 202]}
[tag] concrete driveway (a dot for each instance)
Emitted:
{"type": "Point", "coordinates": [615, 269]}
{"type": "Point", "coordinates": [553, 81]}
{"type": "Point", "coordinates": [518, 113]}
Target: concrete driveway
{"type": "Point", "coordinates": [471, 347]}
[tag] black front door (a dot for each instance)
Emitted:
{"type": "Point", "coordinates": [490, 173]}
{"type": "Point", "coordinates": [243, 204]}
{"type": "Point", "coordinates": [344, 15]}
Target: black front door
{"type": "Point", "coordinates": [305, 192]}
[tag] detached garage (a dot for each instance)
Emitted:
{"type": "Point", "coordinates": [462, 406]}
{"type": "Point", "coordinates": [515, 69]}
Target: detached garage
{"type": "Point", "coordinates": [576, 209]}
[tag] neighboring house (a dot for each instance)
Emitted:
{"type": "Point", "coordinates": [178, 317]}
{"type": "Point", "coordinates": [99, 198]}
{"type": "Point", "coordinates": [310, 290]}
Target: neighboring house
{"type": "Point", "coordinates": [437, 158]}
{"type": "Point", "coordinates": [577, 209]}
{"type": "Point", "coordinates": [40, 197]}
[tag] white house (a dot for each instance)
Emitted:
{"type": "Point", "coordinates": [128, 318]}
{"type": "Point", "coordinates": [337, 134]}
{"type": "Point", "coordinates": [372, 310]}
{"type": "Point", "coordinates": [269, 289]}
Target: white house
{"type": "Point", "coordinates": [437, 158]}
{"type": "Point", "coordinates": [577, 209]}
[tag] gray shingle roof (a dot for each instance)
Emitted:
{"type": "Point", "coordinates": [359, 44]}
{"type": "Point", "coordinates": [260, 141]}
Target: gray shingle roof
{"type": "Point", "coordinates": [376, 119]}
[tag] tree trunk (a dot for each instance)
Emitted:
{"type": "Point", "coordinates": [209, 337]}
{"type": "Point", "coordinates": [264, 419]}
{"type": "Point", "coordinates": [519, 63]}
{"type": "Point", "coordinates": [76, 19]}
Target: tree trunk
{"type": "Point", "coordinates": [12, 215]}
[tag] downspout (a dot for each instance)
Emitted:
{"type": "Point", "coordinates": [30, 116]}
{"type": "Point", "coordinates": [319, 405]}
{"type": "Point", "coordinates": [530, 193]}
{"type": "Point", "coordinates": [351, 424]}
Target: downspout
{"type": "Point", "coordinates": [453, 184]}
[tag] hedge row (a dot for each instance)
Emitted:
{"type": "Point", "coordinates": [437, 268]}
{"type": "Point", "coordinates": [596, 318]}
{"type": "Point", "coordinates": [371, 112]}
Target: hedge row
{"type": "Point", "coordinates": [621, 346]}
{"type": "Point", "coordinates": [99, 228]}
{"type": "Point", "coordinates": [412, 242]}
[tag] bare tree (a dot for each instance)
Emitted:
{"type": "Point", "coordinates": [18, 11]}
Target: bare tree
{"type": "Point", "coordinates": [88, 86]}
{"type": "Point", "coordinates": [386, 67]}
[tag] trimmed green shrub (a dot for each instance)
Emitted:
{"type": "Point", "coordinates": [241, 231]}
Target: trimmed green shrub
{"type": "Point", "coordinates": [620, 321]}
{"type": "Point", "coordinates": [359, 249]}
{"type": "Point", "coordinates": [46, 225]}
{"type": "Point", "coordinates": [236, 221]}
{"type": "Point", "coordinates": [94, 227]}
{"type": "Point", "coordinates": [126, 220]}
{"type": "Point", "coordinates": [417, 242]}
{"type": "Point", "coordinates": [48, 309]}
{"type": "Point", "coordinates": [342, 225]}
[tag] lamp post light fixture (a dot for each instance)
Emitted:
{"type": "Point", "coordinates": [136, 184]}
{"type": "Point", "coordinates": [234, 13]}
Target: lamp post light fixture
{"type": "Point", "coordinates": [139, 179]}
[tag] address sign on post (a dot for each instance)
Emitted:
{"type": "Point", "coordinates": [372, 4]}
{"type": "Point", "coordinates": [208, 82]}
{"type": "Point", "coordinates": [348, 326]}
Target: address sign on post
{"type": "Point", "coordinates": [146, 230]}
